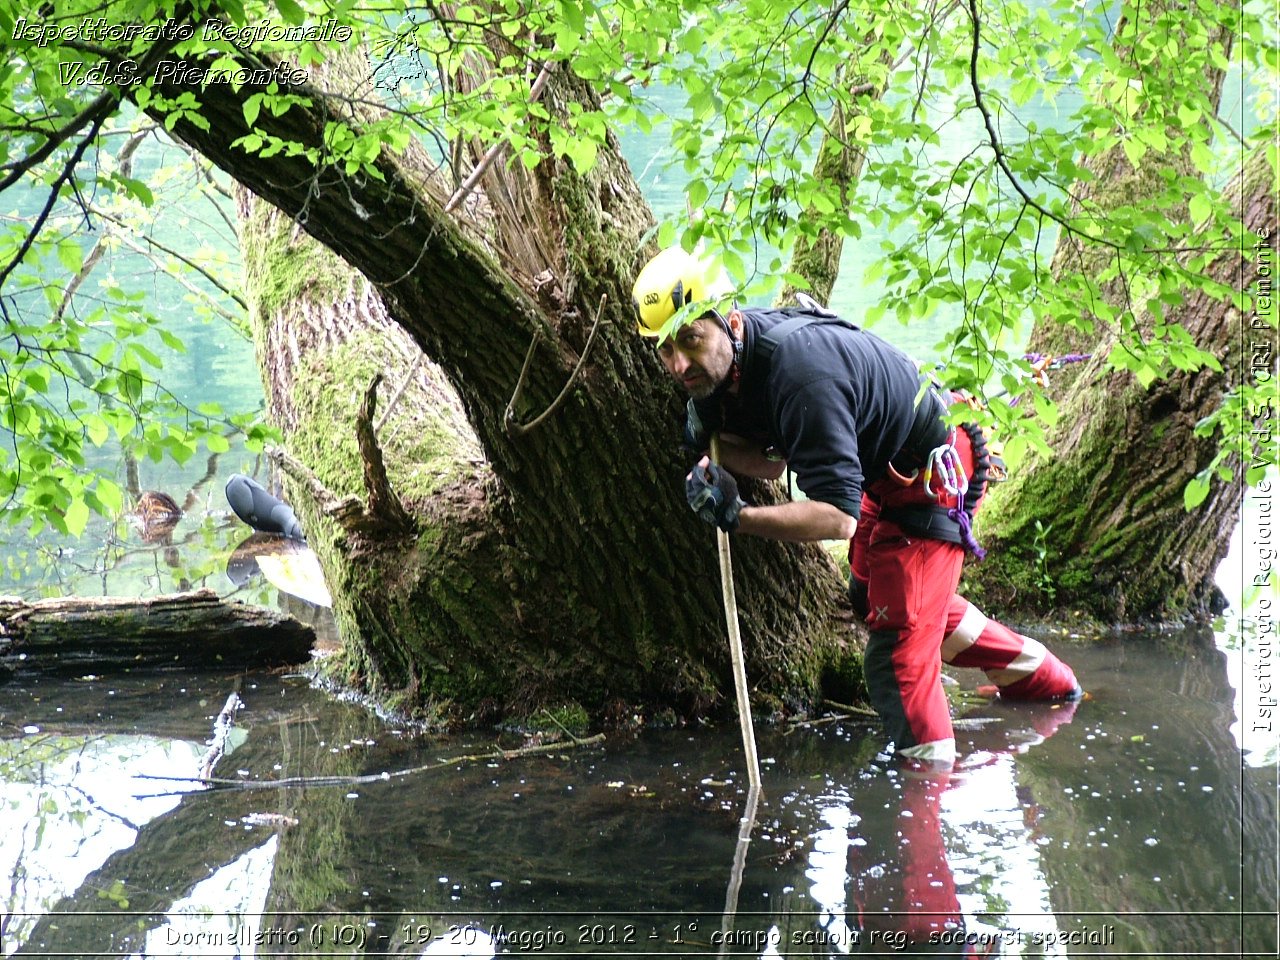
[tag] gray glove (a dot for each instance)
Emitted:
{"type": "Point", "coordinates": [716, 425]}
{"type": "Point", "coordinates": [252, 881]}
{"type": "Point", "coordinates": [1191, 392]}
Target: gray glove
{"type": "Point", "coordinates": [713, 494]}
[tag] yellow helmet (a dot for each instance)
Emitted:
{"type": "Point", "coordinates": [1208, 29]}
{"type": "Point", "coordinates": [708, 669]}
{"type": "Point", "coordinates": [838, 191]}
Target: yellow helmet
{"type": "Point", "coordinates": [671, 282]}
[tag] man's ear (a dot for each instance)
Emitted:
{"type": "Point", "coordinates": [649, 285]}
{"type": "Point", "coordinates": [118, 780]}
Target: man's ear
{"type": "Point", "coordinates": [735, 322]}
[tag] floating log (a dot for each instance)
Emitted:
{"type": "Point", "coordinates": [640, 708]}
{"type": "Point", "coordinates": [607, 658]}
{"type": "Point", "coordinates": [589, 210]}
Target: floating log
{"type": "Point", "coordinates": [76, 635]}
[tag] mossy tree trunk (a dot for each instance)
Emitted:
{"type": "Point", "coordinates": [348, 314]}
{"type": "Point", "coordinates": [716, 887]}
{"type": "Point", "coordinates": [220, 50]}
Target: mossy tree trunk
{"type": "Point", "coordinates": [558, 564]}
{"type": "Point", "coordinates": [1102, 526]}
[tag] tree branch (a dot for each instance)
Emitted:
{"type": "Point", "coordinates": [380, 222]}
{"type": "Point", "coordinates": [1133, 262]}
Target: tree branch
{"type": "Point", "coordinates": [68, 170]}
{"type": "Point", "coordinates": [151, 241]}
{"type": "Point", "coordinates": [383, 502]}
{"type": "Point", "coordinates": [94, 114]}
{"type": "Point", "coordinates": [340, 781]}
{"type": "Point", "coordinates": [474, 177]}
{"type": "Point", "coordinates": [1001, 160]}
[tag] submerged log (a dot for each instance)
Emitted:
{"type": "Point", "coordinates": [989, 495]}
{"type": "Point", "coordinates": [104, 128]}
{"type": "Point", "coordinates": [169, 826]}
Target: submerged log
{"type": "Point", "coordinates": [96, 634]}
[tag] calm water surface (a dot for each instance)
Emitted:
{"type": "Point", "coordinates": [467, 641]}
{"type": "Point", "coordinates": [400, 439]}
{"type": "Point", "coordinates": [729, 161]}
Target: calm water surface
{"type": "Point", "coordinates": [1126, 825]}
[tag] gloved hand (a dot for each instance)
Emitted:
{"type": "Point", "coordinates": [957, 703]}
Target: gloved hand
{"type": "Point", "coordinates": [713, 495]}
{"type": "Point", "coordinates": [697, 430]}
{"type": "Point", "coordinates": [858, 596]}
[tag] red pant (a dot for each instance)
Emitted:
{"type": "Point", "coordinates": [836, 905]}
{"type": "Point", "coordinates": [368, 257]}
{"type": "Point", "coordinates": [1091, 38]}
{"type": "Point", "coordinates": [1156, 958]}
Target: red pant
{"type": "Point", "coordinates": [917, 620]}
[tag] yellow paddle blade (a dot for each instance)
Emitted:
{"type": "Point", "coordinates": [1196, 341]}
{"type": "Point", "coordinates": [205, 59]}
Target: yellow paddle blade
{"type": "Point", "coordinates": [296, 573]}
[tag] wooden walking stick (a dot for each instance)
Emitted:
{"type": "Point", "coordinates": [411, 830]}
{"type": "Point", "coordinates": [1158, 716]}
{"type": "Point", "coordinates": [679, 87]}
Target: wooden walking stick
{"type": "Point", "coordinates": [735, 644]}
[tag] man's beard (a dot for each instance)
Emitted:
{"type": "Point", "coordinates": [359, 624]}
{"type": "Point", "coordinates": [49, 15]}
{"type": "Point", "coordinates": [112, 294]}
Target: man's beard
{"type": "Point", "coordinates": [707, 383]}
{"type": "Point", "coordinates": [703, 389]}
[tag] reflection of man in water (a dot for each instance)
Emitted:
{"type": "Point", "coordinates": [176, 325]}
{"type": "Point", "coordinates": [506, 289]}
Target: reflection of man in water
{"type": "Point", "coordinates": [900, 883]}
{"type": "Point", "coordinates": [902, 894]}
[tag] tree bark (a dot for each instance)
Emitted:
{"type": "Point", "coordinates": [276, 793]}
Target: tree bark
{"type": "Point", "coordinates": [187, 630]}
{"type": "Point", "coordinates": [816, 256]}
{"type": "Point", "coordinates": [1074, 531]}
{"type": "Point", "coordinates": [1102, 527]}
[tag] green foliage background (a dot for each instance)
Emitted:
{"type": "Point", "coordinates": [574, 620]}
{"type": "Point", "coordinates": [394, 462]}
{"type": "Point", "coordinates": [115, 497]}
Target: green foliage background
{"type": "Point", "coordinates": [969, 220]}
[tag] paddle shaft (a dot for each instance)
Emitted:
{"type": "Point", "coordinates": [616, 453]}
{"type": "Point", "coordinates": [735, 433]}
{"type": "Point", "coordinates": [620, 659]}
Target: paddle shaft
{"type": "Point", "coordinates": [735, 645]}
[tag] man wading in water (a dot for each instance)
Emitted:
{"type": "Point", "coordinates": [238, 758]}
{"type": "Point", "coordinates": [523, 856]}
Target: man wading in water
{"type": "Point", "coordinates": [804, 389]}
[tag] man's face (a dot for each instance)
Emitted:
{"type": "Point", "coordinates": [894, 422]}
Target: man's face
{"type": "Point", "coordinates": [698, 357]}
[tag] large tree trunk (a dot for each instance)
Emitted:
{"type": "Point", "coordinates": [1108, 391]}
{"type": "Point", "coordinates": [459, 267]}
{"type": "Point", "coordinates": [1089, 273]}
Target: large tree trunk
{"type": "Point", "coordinates": [1070, 532]}
{"type": "Point", "coordinates": [1075, 531]}
{"type": "Point", "coordinates": [563, 565]}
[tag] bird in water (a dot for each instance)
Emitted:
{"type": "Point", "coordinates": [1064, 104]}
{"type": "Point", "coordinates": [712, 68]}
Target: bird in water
{"type": "Point", "coordinates": [155, 514]}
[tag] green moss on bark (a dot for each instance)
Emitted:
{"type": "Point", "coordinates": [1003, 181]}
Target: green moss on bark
{"type": "Point", "coordinates": [281, 270]}
{"type": "Point", "coordinates": [425, 449]}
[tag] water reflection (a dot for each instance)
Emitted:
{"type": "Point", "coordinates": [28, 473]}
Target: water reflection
{"type": "Point", "coordinates": [1247, 636]}
{"type": "Point", "coordinates": [1058, 822]}
{"type": "Point", "coordinates": [66, 814]}
{"type": "Point", "coordinates": [212, 918]}
{"type": "Point", "coordinates": [886, 871]}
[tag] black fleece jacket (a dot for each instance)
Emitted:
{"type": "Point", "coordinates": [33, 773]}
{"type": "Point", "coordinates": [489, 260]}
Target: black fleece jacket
{"type": "Point", "coordinates": [836, 401]}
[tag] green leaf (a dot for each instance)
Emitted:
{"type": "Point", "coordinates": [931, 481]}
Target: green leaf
{"type": "Point", "coordinates": [291, 12]}
{"type": "Point", "coordinates": [1200, 207]}
{"type": "Point", "coordinates": [1203, 158]}
{"type": "Point", "coordinates": [1134, 150]}
{"type": "Point", "coordinates": [70, 256]}
{"type": "Point", "coordinates": [697, 193]}
{"type": "Point", "coordinates": [148, 357]}
{"type": "Point", "coordinates": [109, 495]}
{"type": "Point", "coordinates": [76, 516]}
{"type": "Point", "coordinates": [1195, 492]}
{"type": "Point", "coordinates": [139, 190]}
{"type": "Point", "coordinates": [574, 16]}
{"type": "Point", "coordinates": [97, 429]}
{"type": "Point", "coordinates": [251, 108]}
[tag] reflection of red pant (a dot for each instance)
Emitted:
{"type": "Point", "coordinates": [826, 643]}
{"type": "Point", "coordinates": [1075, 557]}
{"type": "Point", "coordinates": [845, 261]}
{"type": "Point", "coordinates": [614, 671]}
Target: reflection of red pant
{"type": "Point", "coordinates": [917, 620]}
{"type": "Point", "coordinates": [904, 885]}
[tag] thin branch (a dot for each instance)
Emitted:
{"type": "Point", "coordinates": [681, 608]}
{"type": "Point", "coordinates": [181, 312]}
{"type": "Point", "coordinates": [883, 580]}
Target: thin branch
{"type": "Point", "coordinates": [177, 256]}
{"type": "Point", "coordinates": [68, 171]}
{"type": "Point", "coordinates": [850, 708]}
{"type": "Point", "coordinates": [509, 420]}
{"type": "Point", "coordinates": [336, 781]}
{"type": "Point", "coordinates": [221, 731]}
{"type": "Point", "coordinates": [996, 147]}
{"type": "Point", "coordinates": [94, 114]}
{"type": "Point", "coordinates": [125, 160]}
{"type": "Point", "coordinates": [236, 323]}
{"type": "Point", "coordinates": [473, 178]}
{"type": "Point", "coordinates": [567, 732]}
{"type": "Point", "coordinates": [395, 398]}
